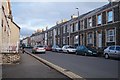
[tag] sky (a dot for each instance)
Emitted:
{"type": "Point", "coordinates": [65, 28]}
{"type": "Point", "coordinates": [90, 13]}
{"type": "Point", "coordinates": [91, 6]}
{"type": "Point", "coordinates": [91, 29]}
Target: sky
{"type": "Point", "coordinates": [31, 15]}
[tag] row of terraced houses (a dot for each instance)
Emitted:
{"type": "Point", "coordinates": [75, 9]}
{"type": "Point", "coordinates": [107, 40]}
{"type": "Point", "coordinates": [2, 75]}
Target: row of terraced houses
{"type": "Point", "coordinates": [97, 28]}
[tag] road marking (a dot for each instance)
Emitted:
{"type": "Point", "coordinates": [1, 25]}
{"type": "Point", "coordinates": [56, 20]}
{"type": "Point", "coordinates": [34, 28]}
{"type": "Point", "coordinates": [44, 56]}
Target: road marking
{"type": "Point", "coordinates": [66, 72]}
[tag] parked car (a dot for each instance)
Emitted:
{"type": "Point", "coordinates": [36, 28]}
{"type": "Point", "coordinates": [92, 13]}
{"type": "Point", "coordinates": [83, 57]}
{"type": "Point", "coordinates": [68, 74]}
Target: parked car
{"type": "Point", "coordinates": [83, 50]}
{"type": "Point", "coordinates": [112, 51]}
{"type": "Point", "coordinates": [56, 48]}
{"type": "Point", "coordinates": [29, 47]}
{"type": "Point", "coordinates": [100, 51]}
{"type": "Point", "coordinates": [38, 49]}
{"type": "Point", "coordinates": [48, 48]}
{"type": "Point", "coordinates": [68, 49]}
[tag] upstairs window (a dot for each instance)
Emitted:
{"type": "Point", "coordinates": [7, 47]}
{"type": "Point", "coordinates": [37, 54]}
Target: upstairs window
{"type": "Point", "coordinates": [99, 19]}
{"type": "Point", "coordinates": [76, 26]}
{"type": "Point", "coordinates": [67, 28]}
{"type": "Point", "coordinates": [71, 26]}
{"type": "Point", "coordinates": [110, 16]}
{"type": "Point", "coordinates": [63, 40]}
{"type": "Point", "coordinates": [58, 31]}
{"type": "Point", "coordinates": [82, 25]}
{"type": "Point", "coordinates": [90, 22]}
{"type": "Point", "coordinates": [64, 29]}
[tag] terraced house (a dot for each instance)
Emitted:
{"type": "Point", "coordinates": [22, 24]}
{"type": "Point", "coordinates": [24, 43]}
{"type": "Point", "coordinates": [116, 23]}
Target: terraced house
{"type": "Point", "coordinates": [97, 28]}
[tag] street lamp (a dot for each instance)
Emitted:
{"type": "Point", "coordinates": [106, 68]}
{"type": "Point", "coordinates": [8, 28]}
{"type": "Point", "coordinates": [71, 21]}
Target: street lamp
{"type": "Point", "coordinates": [77, 11]}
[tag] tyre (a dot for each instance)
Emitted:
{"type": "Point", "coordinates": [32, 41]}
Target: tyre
{"type": "Point", "coordinates": [106, 56]}
{"type": "Point", "coordinates": [76, 53]}
{"type": "Point", "coordinates": [67, 52]}
{"type": "Point", "coordinates": [85, 54]}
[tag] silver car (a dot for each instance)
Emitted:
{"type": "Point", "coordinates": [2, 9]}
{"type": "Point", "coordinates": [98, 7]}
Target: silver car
{"type": "Point", "coordinates": [68, 49]}
{"type": "Point", "coordinates": [38, 48]}
{"type": "Point", "coordinates": [112, 51]}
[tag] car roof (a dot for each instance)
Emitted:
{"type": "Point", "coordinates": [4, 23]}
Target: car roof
{"type": "Point", "coordinates": [114, 46]}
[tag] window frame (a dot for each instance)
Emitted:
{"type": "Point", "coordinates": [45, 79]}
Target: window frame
{"type": "Point", "coordinates": [89, 22]}
{"type": "Point", "coordinates": [109, 35]}
{"type": "Point", "coordinates": [90, 38]}
{"type": "Point", "coordinates": [99, 19]}
{"type": "Point", "coordinates": [109, 18]}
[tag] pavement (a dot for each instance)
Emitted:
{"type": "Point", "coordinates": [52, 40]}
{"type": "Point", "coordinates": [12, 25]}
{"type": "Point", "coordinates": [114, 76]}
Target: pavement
{"type": "Point", "coordinates": [30, 67]}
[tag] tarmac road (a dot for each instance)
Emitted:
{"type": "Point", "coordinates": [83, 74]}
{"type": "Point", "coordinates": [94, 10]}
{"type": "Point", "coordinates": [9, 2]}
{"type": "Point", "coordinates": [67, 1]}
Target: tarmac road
{"type": "Point", "coordinates": [85, 66]}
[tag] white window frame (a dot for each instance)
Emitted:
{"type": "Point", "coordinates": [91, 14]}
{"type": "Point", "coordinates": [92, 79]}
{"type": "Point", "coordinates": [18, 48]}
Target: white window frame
{"type": "Point", "coordinates": [64, 29]}
{"type": "Point", "coordinates": [63, 40]}
{"type": "Point", "coordinates": [90, 38]}
{"type": "Point", "coordinates": [89, 22]}
{"type": "Point", "coordinates": [109, 17]}
{"type": "Point", "coordinates": [76, 26]}
{"type": "Point", "coordinates": [76, 39]}
{"type": "Point", "coordinates": [71, 27]}
{"type": "Point", "coordinates": [108, 35]}
{"type": "Point", "coordinates": [82, 25]}
{"type": "Point", "coordinates": [99, 19]}
{"type": "Point", "coordinates": [58, 31]}
{"type": "Point", "coordinates": [67, 28]}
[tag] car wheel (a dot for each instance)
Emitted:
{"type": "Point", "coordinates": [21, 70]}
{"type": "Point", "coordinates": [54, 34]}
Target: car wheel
{"type": "Point", "coordinates": [67, 52]}
{"type": "Point", "coordinates": [76, 53]}
{"type": "Point", "coordinates": [106, 56]}
{"type": "Point", "coordinates": [85, 54]}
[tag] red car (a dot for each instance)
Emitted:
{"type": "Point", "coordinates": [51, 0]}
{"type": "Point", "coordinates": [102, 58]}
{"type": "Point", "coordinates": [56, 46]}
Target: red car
{"type": "Point", "coordinates": [48, 48]}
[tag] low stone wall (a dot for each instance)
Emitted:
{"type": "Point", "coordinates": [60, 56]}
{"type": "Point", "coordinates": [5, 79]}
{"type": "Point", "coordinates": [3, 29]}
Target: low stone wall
{"type": "Point", "coordinates": [10, 58]}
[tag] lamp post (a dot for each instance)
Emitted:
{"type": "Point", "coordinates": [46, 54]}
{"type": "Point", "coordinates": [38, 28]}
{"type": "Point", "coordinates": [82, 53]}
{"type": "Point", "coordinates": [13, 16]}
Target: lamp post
{"type": "Point", "coordinates": [77, 11]}
{"type": "Point", "coordinates": [78, 27]}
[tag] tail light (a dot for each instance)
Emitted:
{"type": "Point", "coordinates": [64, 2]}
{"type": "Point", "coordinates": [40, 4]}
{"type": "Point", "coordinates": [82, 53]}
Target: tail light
{"type": "Point", "coordinates": [36, 48]}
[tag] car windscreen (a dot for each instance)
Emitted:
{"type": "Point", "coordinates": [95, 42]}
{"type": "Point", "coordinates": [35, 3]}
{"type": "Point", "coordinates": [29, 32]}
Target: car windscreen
{"type": "Point", "coordinates": [118, 48]}
{"type": "Point", "coordinates": [57, 47]}
{"type": "Point", "coordinates": [71, 47]}
{"type": "Point", "coordinates": [39, 46]}
{"type": "Point", "coordinates": [92, 49]}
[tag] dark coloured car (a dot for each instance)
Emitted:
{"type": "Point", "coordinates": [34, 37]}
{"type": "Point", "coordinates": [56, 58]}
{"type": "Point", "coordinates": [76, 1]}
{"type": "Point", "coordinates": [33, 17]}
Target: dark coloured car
{"type": "Point", "coordinates": [83, 50]}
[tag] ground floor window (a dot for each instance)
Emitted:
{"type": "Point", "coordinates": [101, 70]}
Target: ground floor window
{"type": "Point", "coordinates": [63, 40]}
{"type": "Point", "coordinates": [58, 40]}
{"type": "Point", "coordinates": [90, 38]}
{"type": "Point", "coordinates": [76, 40]}
{"type": "Point", "coordinates": [110, 35]}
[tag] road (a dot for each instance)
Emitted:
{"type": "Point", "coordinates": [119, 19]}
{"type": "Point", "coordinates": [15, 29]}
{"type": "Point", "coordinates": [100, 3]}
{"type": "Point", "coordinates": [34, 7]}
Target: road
{"type": "Point", "coordinates": [85, 66]}
{"type": "Point", "coordinates": [31, 68]}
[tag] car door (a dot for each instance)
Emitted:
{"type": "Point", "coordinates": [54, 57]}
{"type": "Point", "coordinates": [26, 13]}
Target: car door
{"type": "Point", "coordinates": [81, 49]}
{"type": "Point", "coordinates": [111, 51]}
{"type": "Point", "coordinates": [64, 49]}
{"type": "Point", "coordinates": [117, 51]}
